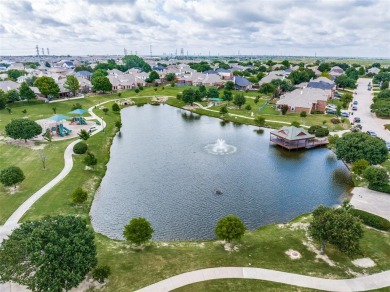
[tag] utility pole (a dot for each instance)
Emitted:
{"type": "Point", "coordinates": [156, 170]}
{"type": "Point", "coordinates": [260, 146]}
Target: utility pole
{"type": "Point", "coordinates": [151, 51]}
{"type": "Point", "coordinates": [43, 51]}
{"type": "Point", "coordinates": [125, 51]}
{"type": "Point", "coordinates": [48, 53]}
{"type": "Point", "coordinates": [37, 50]}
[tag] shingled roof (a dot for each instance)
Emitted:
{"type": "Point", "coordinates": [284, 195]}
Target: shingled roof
{"type": "Point", "coordinates": [292, 133]}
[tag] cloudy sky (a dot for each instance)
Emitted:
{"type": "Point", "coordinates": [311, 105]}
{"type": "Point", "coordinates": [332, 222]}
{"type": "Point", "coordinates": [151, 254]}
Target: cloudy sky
{"type": "Point", "coordinates": [277, 27]}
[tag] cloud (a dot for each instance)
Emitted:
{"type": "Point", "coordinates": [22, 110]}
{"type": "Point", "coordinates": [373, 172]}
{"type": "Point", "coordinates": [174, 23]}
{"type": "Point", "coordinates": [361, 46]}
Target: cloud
{"type": "Point", "coordinates": [294, 27]}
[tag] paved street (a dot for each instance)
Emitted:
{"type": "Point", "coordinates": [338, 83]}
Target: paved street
{"type": "Point", "coordinates": [368, 119]}
{"type": "Point", "coordinates": [371, 201]}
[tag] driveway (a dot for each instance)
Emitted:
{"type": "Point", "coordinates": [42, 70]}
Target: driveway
{"type": "Point", "coordinates": [368, 119]}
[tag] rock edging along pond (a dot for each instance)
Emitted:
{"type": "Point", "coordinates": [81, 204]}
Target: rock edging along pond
{"type": "Point", "coordinates": [159, 169]}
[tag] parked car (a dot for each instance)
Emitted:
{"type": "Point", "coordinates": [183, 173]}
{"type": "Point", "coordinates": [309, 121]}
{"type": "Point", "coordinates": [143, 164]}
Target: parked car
{"type": "Point", "coordinates": [354, 108]}
{"type": "Point", "coordinates": [336, 94]}
{"type": "Point", "coordinates": [331, 111]}
{"type": "Point", "coordinates": [332, 106]}
{"type": "Point", "coordinates": [355, 102]}
{"type": "Point", "coordinates": [371, 133]}
{"type": "Point", "coordinates": [92, 129]}
{"type": "Point", "coordinates": [356, 120]}
{"type": "Point", "coordinates": [344, 114]}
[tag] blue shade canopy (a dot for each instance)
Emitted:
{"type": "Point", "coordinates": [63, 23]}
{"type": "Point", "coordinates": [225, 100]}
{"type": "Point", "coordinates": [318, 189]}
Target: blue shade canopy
{"type": "Point", "coordinates": [78, 111]}
{"type": "Point", "coordinates": [58, 118]}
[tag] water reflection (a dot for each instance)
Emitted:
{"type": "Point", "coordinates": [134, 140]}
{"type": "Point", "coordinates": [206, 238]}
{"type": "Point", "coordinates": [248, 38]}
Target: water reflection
{"type": "Point", "coordinates": [189, 116]}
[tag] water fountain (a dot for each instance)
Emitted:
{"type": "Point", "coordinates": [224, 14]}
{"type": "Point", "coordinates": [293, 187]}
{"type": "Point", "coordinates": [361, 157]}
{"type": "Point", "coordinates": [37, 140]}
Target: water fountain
{"type": "Point", "coordinates": [220, 148]}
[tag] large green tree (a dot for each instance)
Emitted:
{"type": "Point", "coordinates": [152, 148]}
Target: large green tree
{"type": "Point", "coordinates": [213, 92]}
{"type": "Point", "coordinates": [23, 129]}
{"type": "Point", "coordinates": [13, 95]}
{"type": "Point", "coordinates": [338, 227]}
{"type": "Point", "coordinates": [72, 84]}
{"type": "Point", "coordinates": [132, 61]}
{"type": "Point", "coordinates": [170, 77]}
{"type": "Point", "coordinates": [191, 95]}
{"type": "Point", "coordinates": [52, 254]}
{"type": "Point", "coordinates": [376, 176]}
{"type": "Point", "coordinates": [138, 231]}
{"type": "Point", "coordinates": [14, 74]}
{"type": "Point", "coordinates": [239, 100]}
{"type": "Point", "coordinates": [267, 88]}
{"type": "Point", "coordinates": [3, 99]}
{"type": "Point", "coordinates": [101, 83]}
{"type": "Point", "coordinates": [153, 75]}
{"type": "Point", "coordinates": [47, 86]}
{"type": "Point", "coordinates": [26, 92]}
{"type": "Point", "coordinates": [354, 146]}
{"type": "Point", "coordinates": [300, 76]}
{"type": "Point", "coordinates": [229, 85]}
{"type": "Point", "coordinates": [230, 228]}
{"type": "Point", "coordinates": [11, 175]}
{"type": "Point", "coordinates": [344, 81]}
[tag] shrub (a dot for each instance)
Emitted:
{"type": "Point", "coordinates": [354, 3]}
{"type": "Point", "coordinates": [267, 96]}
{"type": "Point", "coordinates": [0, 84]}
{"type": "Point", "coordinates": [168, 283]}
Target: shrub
{"type": "Point", "coordinates": [317, 112]}
{"type": "Point", "coordinates": [11, 176]}
{"type": "Point", "coordinates": [76, 106]}
{"type": "Point", "coordinates": [138, 231]}
{"type": "Point", "coordinates": [359, 166]}
{"type": "Point", "coordinates": [84, 135]}
{"type": "Point", "coordinates": [136, 90]}
{"type": "Point", "coordinates": [230, 228]}
{"type": "Point", "coordinates": [313, 129]}
{"type": "Point", "coordinates": [80, 148]}
{"type": "Point", "coordinates": [303, 114]}
{"type": "Point", "coordinates": [371, 219]}
{"type": "Point", "coordinates": [376, 176]}
{"type": "Point", "coordinates": [295, 124]}
{"type": "Point", "coordinates": [322, 132]}
{"type": "Point", "coordinates": [259, 121]}
{"type": "Point", "coordinates": [284, 109]}
{"type": "Point", "coordinates": [90, 159]}
{"type": "Point", "coordinates": [248, 107]}
{"type": "Point", "coordinates": [79, 196]}
{"type": "Point", "coordinates": [115, 107]}
{"type": "Point", "coordinates": [100, 273]}
{"type": "Point", "coordinates": [335, 121]}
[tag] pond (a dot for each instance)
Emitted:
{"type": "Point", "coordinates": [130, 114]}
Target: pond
{"type": "Point", "coordinates": [163, 168]}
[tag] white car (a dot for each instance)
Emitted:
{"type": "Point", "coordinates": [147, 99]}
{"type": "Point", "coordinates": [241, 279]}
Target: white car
{"type": "Point", "coordinates": [331, 106]}
{"type": "Point", "coordinates": [92, 129]}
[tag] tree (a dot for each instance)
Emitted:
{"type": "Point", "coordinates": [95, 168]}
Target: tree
{"type": "Point", "coordinates": [26, 92]}
{"type": "Point", "coordinates": [376, 176]}
{"type": "Point", "coordinates": [300, 76]}
{"type": "Point", "coordinates": [72, 84]}
{"type": "Point", "coordinates": [47, 64]}
{"type": "Point", "coordinates": [190, 96]}
{"type": "Point", "coordinates": [80, 148]}
{"type": "Point", "coordinates": [355, 146]}
{"type": "Point", "coordinates": [13, 95]}
{"type": "Point", "coordinates": [385, 85]}
{"type": "Point", "coordinates": [105, 110]}
{"type": "Point", "coordinates": [11, 176]}
{"type": "Point", "coordinates": [52, 254]}
{"type": "Point", "coordinates": [344, 81]}
{"type": "Point", "coordinates": [295, 124]}
{"type": "Point", "coordinates": [352, 73]}
{"type": "Point", "coordinates": [377, 65]}
{"type": "Point", "coordinates": [138, 231]}
{"type": "Point", "coordinates": [361, 71]}
{"type": "Point", "coordinates": [84, 135]}
{"type": "Point", "coordinates": [286, 63]}
{"type": "Point", "coordinates": [3, 100]}
{"type": "Point", "coordinates": [324, 67]}
{"type": "Point", "coordinates": [338, 111]}
{"type": "Point", "coordinates": [248, 107]}
{"type": "Point", "coordinates": [239, 100]}
{"type": "Point", "coordinates": [47, 86]}
{"type": "Point", "coordinates": [99, 73]}
{"type": "Point", "coordinates": [23, 129]}
{"type": "Point", "coordinates": [83, 68]}
{"type": "Point", "coordinates": [14, 74]}
{"type": "Point", "coordinates": [100, 273]}
{"type": "Point", "coordinates": [90, 159]}
{"type": "Point", "coordinates": [223, 111]}
{"type": "Point", "coordinates": [267, 88]}
{"type": "Point", "coordinates": [257, 99]}
{"type": "Point", "coordinates": [43, 158]}
{"type": "Point", "coordinates": [338, 227]}
{"type": "Point", "coordinates": [132, 61]}
{"type": "Point", "coordinates": [359, 166]}
{"type": "Point", "coordinates": [118, 125]}
{"type": "Point", "coordinates": [230, 228]}
{"type": "Point", "coordinates": [227, 95]}
{"type": "Point", "coordinates": [229, 85]}
{"type": "Point", "coordinates": [115, 107]}
{"type": "Point", "coordinates": [384, 94]}
{"type": "Point", "coordinates": [79, 196]}
{"type": "Point", "coordinates": [101, 83]}
{"type": "Point", "coordinates": [203, 91]}
{"type": "Point", "coordinates": [284, 109]}
{"type": "Point", "coordinates": [260, 121]}
{"type": "Point", "coordinates": [152, 76]}
{"type": "Point", "coordinates": [213, 92]}
{"type": "Point", "coordinates": [303, 114]}
{"type": "Point", "coordinates": [170, 77]}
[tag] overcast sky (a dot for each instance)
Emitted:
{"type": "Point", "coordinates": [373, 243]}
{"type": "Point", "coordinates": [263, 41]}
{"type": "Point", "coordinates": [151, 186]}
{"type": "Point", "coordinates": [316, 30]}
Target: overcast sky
{"type": "Point", "coordinates": [277, 27]}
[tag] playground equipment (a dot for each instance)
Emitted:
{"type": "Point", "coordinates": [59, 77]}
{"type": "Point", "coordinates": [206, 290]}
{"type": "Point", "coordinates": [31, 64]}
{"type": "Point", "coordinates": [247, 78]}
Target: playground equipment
{"type": "Point", "coordinates": [61, 130]}
{"type": "Point", "coordinates": [78, 121]}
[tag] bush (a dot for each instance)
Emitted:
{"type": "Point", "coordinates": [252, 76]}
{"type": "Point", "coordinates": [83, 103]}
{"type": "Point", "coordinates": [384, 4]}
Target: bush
{"type": "Point", "coordinates": [317, 112]}
{"type": "Point", "coordinates": [136, 90]}
{"type": "Point", "coordinates": [11, 176]}
{"type": "Point", "coordinates": [313, 129]}
{"type": "Point", "coordinates": [100, 273]}
{"type": "Point", "coordinates": [359, 166]}
{"type": "Point", "coordinates": [303, 114]}
{"type": "Point", "coordinates": [79, 196]}
{"type": "Point", "coordinates": [371, 219]}
{"type": "Point", "coordinates": [90, 159]}
{"type": "Point", "coordinates": [335, 121]}
{"type": "Point", "coordinates": [295, 124]}
{"type": "Point", "coordinates": [76, 106]}
{"type": "Point", "coordinates": [322, 132]}
{"type": "Point", "coordinates": [284, 109]}
{"type": "Point", "coordinates": [115, 107]}
{"type": "Point", "coordinates": [80, 148]}
{"type": "Point", "coordinates": [376, 176]}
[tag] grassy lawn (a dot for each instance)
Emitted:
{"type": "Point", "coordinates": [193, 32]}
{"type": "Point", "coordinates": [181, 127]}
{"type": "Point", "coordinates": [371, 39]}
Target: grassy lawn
{"type": "Point", "coordinates": [264, 247]}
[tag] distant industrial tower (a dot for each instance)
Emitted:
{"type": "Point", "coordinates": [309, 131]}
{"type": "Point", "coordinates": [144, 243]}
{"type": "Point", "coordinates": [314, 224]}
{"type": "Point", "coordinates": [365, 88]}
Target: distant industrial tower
{"type": "Point", "coordinates": [125, 51]}
{"type": "Point", "coordinates": [182, 52]}
{"type": "Point", "coordinates": [43, 51]}
{"type": "Point", "coordinates": [37, 50]}
{"type": "Point", "coordinates": [151, 51]}
{"type": "Point", "coordinates": [48, 52]}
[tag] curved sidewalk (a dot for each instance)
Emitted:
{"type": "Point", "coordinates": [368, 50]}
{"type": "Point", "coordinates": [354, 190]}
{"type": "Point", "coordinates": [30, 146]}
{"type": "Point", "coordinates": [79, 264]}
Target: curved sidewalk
{"type": "Point", "coordinates": [366, 283]}
{"type": "Point", "coordinates": [12, 221]}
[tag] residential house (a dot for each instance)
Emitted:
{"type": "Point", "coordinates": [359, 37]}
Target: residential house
{"type": "Point", "coordinates": [16, 66]}
{"type": "Point", "coordinates": [83, 74]}
{"type": "Point", "coordinates": [305, 99]}
{"type": "Point", "coordinates": [8, 85]}
{"type": "Point", "coordinates": [322, 83]}
{"type": "Point", "coordinates": [336, 71]}
{"type": "Point", "coordinates": [373, 70]}
{"type": "Point", "coordinates": [273, 75]}
{"type": "Point", "coordinates": [241, 83]}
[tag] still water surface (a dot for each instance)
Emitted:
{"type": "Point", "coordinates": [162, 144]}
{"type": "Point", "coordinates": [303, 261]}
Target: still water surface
{"type": "Point", "coordinates": [159, 169]}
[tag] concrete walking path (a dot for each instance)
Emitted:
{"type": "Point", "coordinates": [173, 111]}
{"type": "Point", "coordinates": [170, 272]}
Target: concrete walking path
{"type": "Point", "coordinates": [365, 283]}
{"type": "Point", "coordinates": [371, 201]}
{"type": "Point", "coordinates": [13, 220]}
